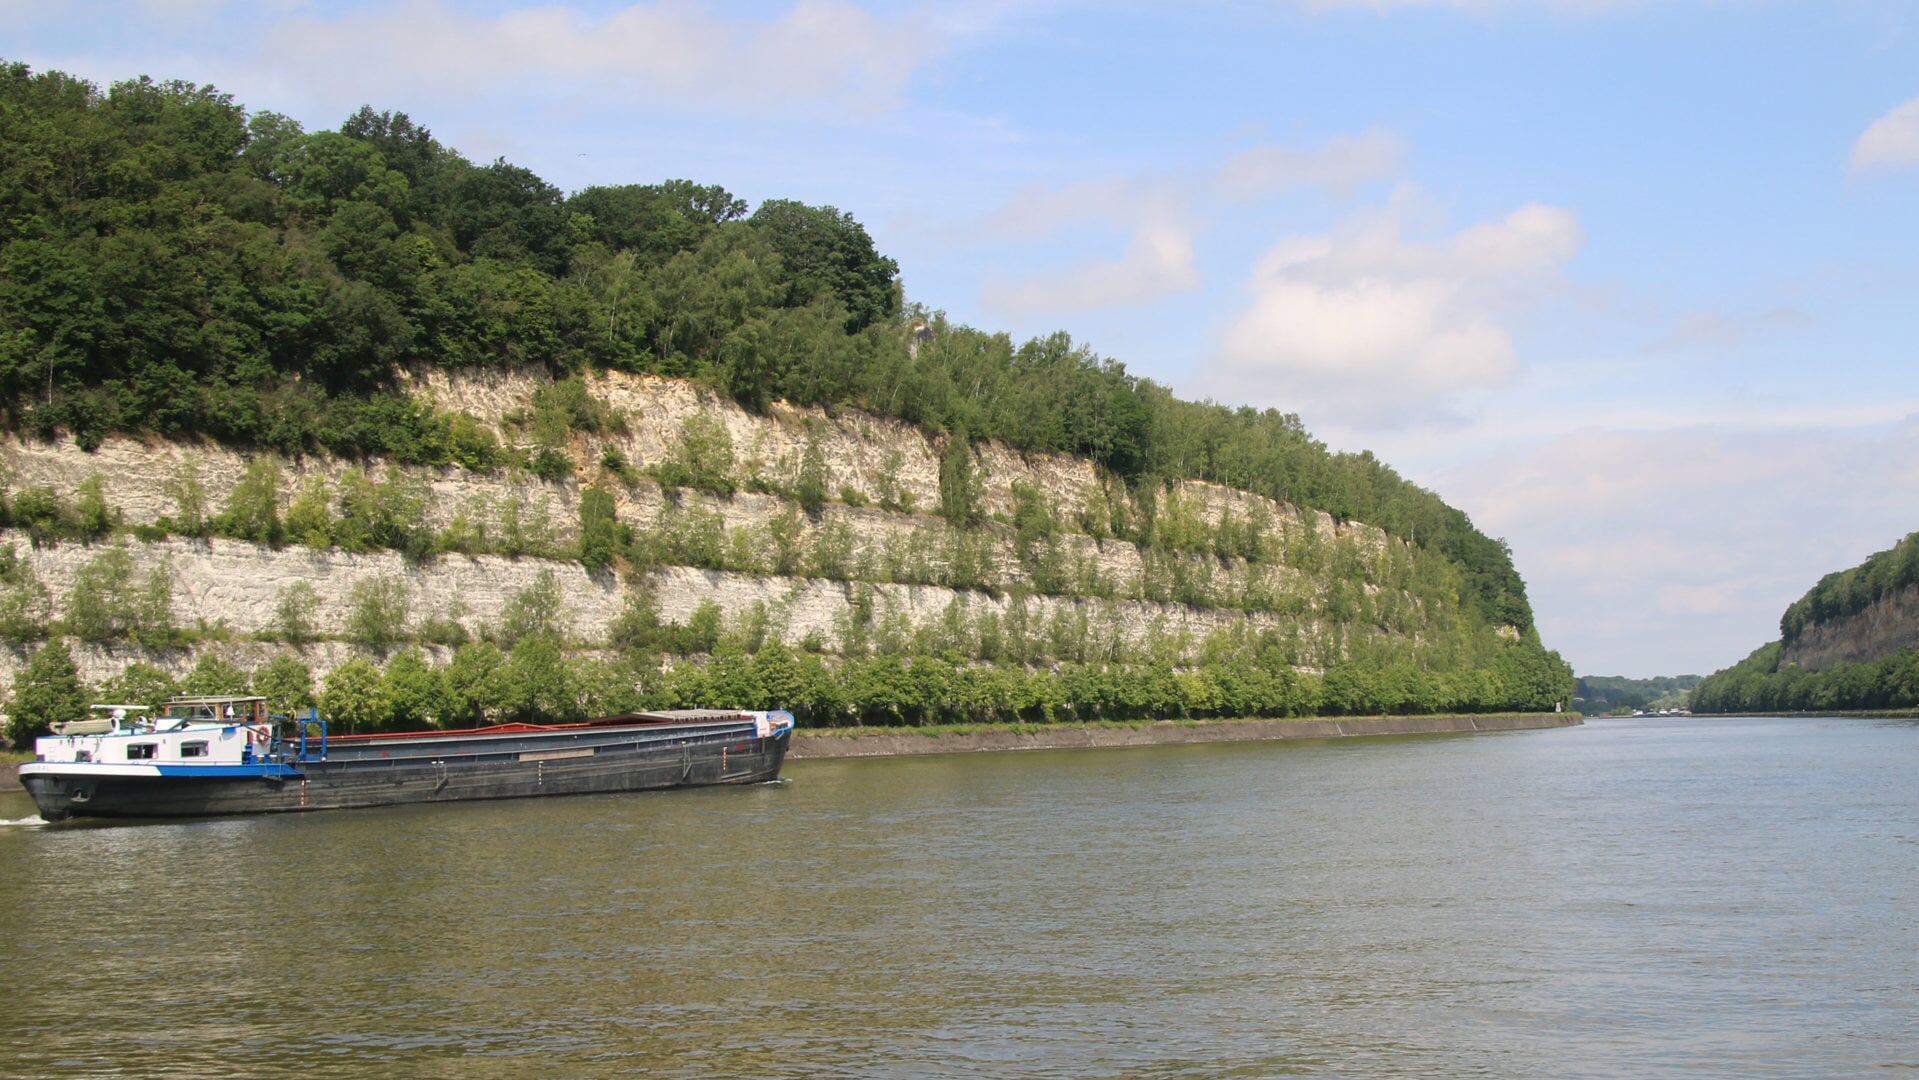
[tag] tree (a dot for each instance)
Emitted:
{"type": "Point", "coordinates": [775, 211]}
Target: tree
{"type": "Point", "coordinates": [826, 252]}
{"type": "Point", "coordinates": [412, 691]}
{"type": "Point", "coordinates": [294, 613]}
{"type": "Point", "coordinates": [811, 485]}
{"type": "Point", "coordinates": [959, 485]}
{"type": "Point", "coordinates": [213, 676]}
{"type": "Point", "coordinates": [599, 531]}
{"type": "Point", "coordinates": [472, 687]}
{"type": "Point", "coordinates": [48, 692]}
{"type": "Point", "coordinates": [253, 507]}
{"type": "Point", "coordinates": [540, 608]}
{"type": "Point", "coordinates": [25, 604]}
{"type": "Point", "coordinates": [539, 688]}
{"type": "Point", "coordinates": [286, 682]}
{"type": "Point", "coordinates": [377, 610]}
{"type": "Point", "coordinates": [138, 683]}
{"type": "Point", "coordinates": [354, 699]}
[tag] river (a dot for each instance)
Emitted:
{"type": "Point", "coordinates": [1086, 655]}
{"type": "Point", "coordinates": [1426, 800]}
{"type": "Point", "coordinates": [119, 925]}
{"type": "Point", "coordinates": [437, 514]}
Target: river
{"type": "Point", "coordinates": [1644, 898]}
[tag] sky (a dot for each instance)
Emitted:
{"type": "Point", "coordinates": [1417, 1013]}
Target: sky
{"type": "Point", "coordinates": [1634, 283]}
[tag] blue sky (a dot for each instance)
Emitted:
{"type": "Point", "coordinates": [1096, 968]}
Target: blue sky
{"type": "Point", "coordinates": [1630, 282]}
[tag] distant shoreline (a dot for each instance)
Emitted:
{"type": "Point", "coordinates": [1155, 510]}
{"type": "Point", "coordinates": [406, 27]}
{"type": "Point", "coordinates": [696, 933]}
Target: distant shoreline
{"type": "Point", "coordinates": [898, 742]}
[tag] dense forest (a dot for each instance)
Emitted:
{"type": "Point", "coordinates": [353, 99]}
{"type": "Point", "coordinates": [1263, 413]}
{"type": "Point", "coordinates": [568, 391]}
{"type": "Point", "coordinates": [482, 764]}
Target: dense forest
{"type": "Point", "coordinates": [171, 264]}
{"type": "Point", "coordinates": [1760, 683]}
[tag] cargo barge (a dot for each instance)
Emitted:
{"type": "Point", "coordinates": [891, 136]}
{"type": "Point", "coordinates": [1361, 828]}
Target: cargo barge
{"type": "Point", "coordinates": [209, 756]}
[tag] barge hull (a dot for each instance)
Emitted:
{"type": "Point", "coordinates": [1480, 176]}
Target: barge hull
{"type": "Point", "coordinates": [710, 758]}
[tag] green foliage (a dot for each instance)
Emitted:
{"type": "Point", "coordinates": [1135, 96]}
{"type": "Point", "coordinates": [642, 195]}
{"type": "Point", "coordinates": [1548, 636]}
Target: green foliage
{"type": "Point", "coordinates": [387, 515]}
{"type": "Point", "coordinates": [600, 539]}
{"type": "Point", "coordinates": [377, 610]}
{"type": "Point", "coordinates": [213, 676]}
{"type": "Point", "coordinates": [26, 606]}
{"type": "Point", "coordinates": [539, 685]}
{"type": "Point", "coordinates": [139, 683]}
{"type": "Point", "coordinates": [309, 521]}
{"type": "Point", "coordinates": [253, 506]}
{"type": "Point", "coordinates": [354, 699]}
{"type": "Point", "coordinates": [703, 458]}
{"type": "Point", "coordinates": [295, 613]}
{"type": "Point", "coordinates": [827, 254]}
{"type": "Point", "coordinates": [107, 603]}
{"type": "Point", "coordinates": [189, 497]}
{"type": "Point", "coordinates": [1762, 684]}
{"type": "Point", "coordinates": [93, 517]}
{"type": "Point", "coordinates": [959, 482]}
{"type": "Point", "coordinates": [473, 686]}
{"type": "Point", "coordinates": [287, 683]}
{"type": "Point", "coordinates": [412, 691]}
{"type": "Point", "coordinates": [1598, 694]}
{"type": "Point", "coordinates": [809, 489]}
{"type": "Point", "coordinates": [538, 609]}
{"type": "Point", "coordinates": [47, 692]}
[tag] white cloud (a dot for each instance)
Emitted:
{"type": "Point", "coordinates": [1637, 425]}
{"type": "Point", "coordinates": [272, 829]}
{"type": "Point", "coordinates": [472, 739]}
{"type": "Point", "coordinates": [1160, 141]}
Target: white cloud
{"type": "Point", "coordinates": [1339, 166]}
{"type": "Point", "coordinates": [1125, 202]}
{"type": "Point", "coordinates": [1675, 552]}
{"type": "Point", "coordinates": [1158, 263]}
{"type": "Point", "coordinates": [819, 50]}
{"type": "Point", "coordinates": [1891, 142]}
{"type": "Point", "coordinates": [1365, 320]}
{"type": "Point", "coordinates": [1156, 210]}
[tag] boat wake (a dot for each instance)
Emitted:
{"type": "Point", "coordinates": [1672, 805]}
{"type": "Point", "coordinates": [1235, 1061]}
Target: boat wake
{"type": "Point", "coordinates": [35, 819]}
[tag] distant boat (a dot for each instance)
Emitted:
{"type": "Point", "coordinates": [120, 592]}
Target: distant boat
{"type": "Point", "coordinates": [228, 755]}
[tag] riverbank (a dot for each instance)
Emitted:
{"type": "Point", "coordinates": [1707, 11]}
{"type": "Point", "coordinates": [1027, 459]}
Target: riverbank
{"type": "Point", "coordinates": [897, 742]}
{"type": "Point", "coordinates": [892, 742]}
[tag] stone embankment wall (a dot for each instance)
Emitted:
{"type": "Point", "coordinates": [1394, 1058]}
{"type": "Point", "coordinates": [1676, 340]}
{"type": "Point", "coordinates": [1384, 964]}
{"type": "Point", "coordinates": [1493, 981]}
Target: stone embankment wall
{"type": "Point", "coordinates": [226, 589]}
{"type": "Point", "coordinates": [1890, 624]}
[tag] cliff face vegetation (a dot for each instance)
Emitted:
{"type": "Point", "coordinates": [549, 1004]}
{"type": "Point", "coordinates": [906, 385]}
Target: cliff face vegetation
{"type": "Point", "coordinates": [348, 413]}
{"type": "Point", "coordinates": [1852, 642]}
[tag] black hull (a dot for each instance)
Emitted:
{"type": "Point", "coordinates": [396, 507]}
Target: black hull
{"type": "Point", "coordinates": [700, 759]}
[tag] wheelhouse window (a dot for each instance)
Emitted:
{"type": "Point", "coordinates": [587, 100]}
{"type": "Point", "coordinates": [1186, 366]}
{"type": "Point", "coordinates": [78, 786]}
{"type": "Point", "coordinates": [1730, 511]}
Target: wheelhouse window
{"type": "Point", "coordinates": [140, 751]}
{"type": "Point", "coordinates": [197, 748]}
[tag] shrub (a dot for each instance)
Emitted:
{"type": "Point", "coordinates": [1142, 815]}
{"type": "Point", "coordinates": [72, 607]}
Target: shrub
{"type": "Point", "coordinates": [253, 507]}
{"type": "Point", "coordinates": [540, 608]}
{"type": "Point", "coordinates": [377, 610]}
{"type": "Point", "coordinates": [189, 497]}
{"type": "Point", "coordinates": [703, 459]}
{"type": "Point", "coordinates": [294, 611]}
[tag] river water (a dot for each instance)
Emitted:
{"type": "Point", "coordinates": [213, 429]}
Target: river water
{"type": "Point", "coordinates": [1644, 898]}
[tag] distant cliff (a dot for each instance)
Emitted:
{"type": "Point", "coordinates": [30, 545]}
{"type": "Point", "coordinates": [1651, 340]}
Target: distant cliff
{"type": "Point", "coordinates": [1888, 624]}
{"type": "Point", "coordinates": [1852, 642]}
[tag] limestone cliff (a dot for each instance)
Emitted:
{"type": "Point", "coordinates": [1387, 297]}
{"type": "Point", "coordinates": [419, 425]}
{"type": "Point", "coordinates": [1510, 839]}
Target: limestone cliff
{"type": "Point", "coordinates": [883, 482]}
{"type": "Point", "coordinates": [1886, 626]}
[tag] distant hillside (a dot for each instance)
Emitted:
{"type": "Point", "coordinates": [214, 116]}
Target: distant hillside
{"type": "Point", "coordinates": [1852, 642]}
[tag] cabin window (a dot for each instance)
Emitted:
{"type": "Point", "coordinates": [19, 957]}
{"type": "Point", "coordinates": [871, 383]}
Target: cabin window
{"type": "Point", "coordinates": [197, 748]}
{"type": "Point", "coordinates": [83, 755]}
{"type": "Point", "coordinates": [140, 751]}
